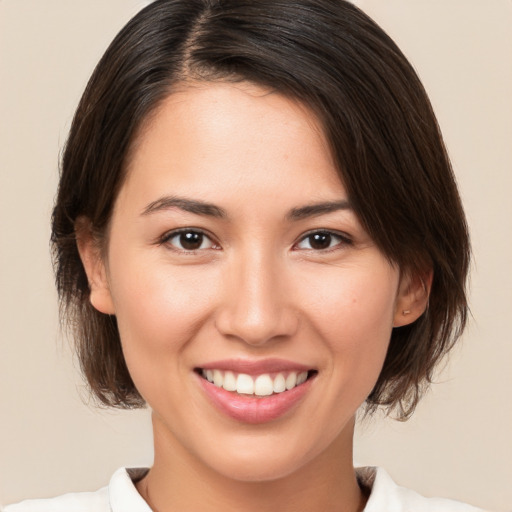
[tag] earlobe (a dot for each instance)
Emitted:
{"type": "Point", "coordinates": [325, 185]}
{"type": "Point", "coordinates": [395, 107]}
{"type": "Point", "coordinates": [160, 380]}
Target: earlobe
{"type": "Point", "coordinates": [94, 265]}
{"type": "Point", "coordinates": [412, 298]}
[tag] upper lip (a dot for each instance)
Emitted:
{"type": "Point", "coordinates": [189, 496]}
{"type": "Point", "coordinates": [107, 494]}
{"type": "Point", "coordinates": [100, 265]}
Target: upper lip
{"type": "Point", "coordinates": [255, 367]}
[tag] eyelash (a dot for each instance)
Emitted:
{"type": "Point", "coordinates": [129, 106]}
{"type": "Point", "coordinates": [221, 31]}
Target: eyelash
{"type": "Point", "coordinates": [342, 240]}
{"type": "Point", "coordinates": [166, 240]}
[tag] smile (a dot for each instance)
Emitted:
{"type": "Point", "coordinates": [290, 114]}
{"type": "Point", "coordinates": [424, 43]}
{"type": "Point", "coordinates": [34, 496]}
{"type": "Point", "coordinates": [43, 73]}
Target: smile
{"type": "Point", "coordinates": [255, 391]}
{"type": "Point", "coordinates": [265, 384]}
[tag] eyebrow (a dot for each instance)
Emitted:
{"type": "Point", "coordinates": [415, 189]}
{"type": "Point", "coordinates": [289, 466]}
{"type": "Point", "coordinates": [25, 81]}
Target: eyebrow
{"type": "Point", "coordinates": [203, 208]}
{"type": "Point", "coordinates": [188, 205]}
{"type": "Point", "coordinates": [317, 209]}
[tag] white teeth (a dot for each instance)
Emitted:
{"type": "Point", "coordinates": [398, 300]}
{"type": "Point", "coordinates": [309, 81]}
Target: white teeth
{"type": "Point", "coordinates": [291, 380]}
{"type": "Point", "coordinates": [218, 378]}
{"type": "Point", "coordinates": [263, 385]}
{"type": "Point", "coordinates": [229, 381]}
{"type": "Point", "coordinates": [302, 378]}
{"type": "Point", "coordinates": [244, 384]}
{"type": "Point", "coordinates": [279, 384]}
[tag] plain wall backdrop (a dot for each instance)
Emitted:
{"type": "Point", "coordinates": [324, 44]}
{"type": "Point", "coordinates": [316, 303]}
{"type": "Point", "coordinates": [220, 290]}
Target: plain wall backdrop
{"type": "Point", "coordinates": [457, 445]}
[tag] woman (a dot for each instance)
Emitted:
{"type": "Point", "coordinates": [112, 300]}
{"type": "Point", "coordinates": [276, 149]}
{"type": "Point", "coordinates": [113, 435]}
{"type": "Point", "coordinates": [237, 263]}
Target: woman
{"type": "Point", "coordinates": [257, 231]}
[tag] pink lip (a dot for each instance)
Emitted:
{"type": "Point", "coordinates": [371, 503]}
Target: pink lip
{"type": "Point", "coordinates": [255, 367]}
{"type": "Point", "coordinates": [250, 408]}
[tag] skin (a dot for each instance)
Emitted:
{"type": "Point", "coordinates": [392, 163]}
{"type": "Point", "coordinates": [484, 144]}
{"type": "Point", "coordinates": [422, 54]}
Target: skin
{"type": "Point", "coordinates": [255, 288]}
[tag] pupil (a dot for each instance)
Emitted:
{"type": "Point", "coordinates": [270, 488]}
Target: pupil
{"type": "Point", "coordinates": [320, 240]}
{"type": "Point", "coordinates": [191, 241]}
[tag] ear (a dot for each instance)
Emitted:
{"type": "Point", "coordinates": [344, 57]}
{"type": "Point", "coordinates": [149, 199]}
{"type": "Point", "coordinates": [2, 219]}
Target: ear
{"type": "Point", "coordinates": [412, 298]}
{"type": "Point", "coordinates": [94, 265]}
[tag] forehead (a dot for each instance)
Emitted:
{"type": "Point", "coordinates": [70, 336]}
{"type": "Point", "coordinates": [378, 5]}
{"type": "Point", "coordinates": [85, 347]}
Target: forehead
{"type": "Point", "coordinates": [214, 137]}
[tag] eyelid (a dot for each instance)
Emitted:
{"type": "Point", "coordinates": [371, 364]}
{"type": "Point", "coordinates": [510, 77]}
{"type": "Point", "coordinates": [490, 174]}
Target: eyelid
{"type": "Point", "coordinates": [169, 235]}
{"type": "Point", "coordinates": [345, 239]}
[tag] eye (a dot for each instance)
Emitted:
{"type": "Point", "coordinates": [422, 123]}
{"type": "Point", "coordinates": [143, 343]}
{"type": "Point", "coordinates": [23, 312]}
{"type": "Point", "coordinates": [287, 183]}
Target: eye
{"type": "Point", "coordinates": [322, 240]}
{"type": "Point", "coordinates": [188, 240]}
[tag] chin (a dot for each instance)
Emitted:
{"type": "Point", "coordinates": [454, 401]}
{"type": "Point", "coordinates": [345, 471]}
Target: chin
{"type": "Point", "coordinates": [258, 468]}
{"type": "Point", "coordinates": [266, 457]}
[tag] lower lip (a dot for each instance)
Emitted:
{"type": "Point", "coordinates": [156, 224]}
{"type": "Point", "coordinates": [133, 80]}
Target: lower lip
{"type": "Point", "coordinates": [251, 408]}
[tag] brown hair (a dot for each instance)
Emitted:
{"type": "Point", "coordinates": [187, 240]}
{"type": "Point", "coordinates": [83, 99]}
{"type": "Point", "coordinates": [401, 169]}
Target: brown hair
{"type": "Point", "coordinates": [377, 118]}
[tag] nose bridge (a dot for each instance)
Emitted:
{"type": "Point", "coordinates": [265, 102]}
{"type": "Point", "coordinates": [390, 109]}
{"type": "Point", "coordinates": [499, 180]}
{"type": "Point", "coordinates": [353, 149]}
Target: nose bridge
{"type": "Point", "coordinates": [256, 308]}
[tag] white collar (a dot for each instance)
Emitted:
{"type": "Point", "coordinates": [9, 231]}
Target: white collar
{"type": "Point", "coordinates": [385, 494]}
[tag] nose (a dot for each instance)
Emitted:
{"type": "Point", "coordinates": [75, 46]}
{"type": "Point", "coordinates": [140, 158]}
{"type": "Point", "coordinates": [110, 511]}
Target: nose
{"type": "Point", "coordinates": [257, 306]}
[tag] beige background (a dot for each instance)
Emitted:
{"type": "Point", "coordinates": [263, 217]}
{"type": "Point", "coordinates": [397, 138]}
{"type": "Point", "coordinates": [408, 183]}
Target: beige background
{"type": "Point", "coordinates": [457, 445]}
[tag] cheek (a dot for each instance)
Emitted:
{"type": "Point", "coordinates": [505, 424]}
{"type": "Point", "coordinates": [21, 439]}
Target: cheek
{"type": "Point", "coordinates": [159, 308]}
{"type": "Point", "coordinates": [352, 301]}
{"type": "Point", "coordinates": [353, 312]}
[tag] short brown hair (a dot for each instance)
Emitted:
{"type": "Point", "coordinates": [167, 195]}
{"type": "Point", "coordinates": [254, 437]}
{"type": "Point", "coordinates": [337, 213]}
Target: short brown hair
{"type": "Point", "coordinates": [377, 118]}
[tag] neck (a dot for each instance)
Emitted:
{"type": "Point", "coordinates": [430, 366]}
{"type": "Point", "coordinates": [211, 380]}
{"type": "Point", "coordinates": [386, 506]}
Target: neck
{"type": "Point", "coordinates": [179, 481]}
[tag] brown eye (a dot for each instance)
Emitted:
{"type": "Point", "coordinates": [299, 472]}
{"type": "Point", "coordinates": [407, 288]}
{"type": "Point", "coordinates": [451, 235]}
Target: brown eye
{"type": "Point", "coordinates": [322, 240]}
{"type": "Point", "coordinates": [189, 240]}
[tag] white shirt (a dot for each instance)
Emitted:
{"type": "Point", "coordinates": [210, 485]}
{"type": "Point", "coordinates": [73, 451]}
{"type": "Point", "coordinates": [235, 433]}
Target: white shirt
{"type": "Point", "coordinates": [122, 496]}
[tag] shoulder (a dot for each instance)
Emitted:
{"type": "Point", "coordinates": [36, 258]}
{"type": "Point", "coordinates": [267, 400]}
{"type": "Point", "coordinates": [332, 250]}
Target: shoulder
{"type": "Point", "coordinates": [385, 494]}
{"type": "Point", "coordinates": [120, 496]}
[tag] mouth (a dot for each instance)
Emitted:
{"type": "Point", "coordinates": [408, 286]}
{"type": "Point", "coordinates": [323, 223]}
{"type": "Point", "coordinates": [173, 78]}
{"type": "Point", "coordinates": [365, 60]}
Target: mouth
{"type": "Point", "coordinates": [255, 397]}
{"type": "Point", "coordinates": [259, 385]}
{"type": "Point", "coordinates": [257, 391]}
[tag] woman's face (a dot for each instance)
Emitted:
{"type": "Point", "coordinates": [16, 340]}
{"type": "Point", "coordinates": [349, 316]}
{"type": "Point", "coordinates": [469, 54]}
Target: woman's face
{"type": "Point", "coordinates": [233, 248]}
